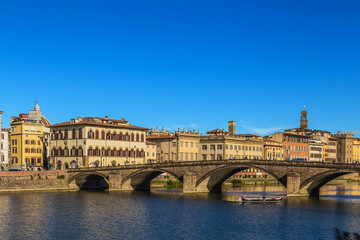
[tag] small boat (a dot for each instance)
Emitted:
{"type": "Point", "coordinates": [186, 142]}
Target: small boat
{"type": "Point", "coordinates": [260, 200]}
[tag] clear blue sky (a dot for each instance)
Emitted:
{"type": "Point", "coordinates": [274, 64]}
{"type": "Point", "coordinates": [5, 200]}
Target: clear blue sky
{"type": "Point", "coordinates": [193, 64]}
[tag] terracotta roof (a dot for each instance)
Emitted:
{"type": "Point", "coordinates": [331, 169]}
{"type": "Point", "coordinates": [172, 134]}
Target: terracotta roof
{"type": "Point", "coordinates": [295, 134]}
{"type": "Point", "coordinates": [247, 135]}
{"type": "Point", "coordinates": [217, 131]}
{"type": "Point", "coordinates": [87, 121]}
{"type": "Point", "coordinates": [45, 121]}
{"type": "Point", "coordinates": [161, 136]}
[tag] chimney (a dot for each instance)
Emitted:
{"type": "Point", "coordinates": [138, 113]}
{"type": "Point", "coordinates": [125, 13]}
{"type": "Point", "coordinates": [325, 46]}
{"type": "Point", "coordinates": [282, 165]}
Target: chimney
{"type": "Point", "coordinates": [232, 128]}
{"type": "Point", "coordinates": [107, 117]}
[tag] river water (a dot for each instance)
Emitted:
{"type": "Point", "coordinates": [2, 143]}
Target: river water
{"type": "Point", "coordinates": [169, 214]}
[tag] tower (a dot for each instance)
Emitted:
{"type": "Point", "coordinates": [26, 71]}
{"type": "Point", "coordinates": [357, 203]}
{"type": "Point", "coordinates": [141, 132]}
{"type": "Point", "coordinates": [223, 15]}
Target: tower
{"type": "Point", "coordinates": [303, 120]}
{"type": "Point", "coordinates": [232, 128]}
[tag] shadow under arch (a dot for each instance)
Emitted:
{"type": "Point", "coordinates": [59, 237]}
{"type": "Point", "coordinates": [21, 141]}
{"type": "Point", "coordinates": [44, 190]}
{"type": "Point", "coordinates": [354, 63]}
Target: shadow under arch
{"type": "Point", "coordinates": [140, 180]}
{"type": "Point", "coordinates": [87, 181]}
{"type": "Point", "coordinates": [314, 183]}
{"type": "Point", "coordinates": [213, 180]}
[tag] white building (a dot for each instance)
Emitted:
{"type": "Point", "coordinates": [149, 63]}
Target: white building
{"type": "Point", "coordinates": [4, 145]}
{"type": "Point", "coordinates": [315, 151]}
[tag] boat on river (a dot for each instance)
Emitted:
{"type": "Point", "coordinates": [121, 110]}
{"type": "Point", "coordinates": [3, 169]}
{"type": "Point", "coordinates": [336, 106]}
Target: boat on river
{"type": "Point", "coordinates": [260, 200]}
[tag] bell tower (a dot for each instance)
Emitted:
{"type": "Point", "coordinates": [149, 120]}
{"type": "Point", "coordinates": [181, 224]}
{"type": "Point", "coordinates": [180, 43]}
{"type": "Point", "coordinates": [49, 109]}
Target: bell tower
{"type": "Point", "coordinates": [303, 120]}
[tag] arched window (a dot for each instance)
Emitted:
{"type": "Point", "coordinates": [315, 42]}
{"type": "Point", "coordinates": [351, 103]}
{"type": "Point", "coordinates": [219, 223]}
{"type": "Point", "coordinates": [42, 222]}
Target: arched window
{"type": "Point", "coordinates": [142, 153]}
{"type": "Point", "coordinates": [137, 153]}
{"type": "Point", "coordinates": [27, 150]}
{"type": "Point", "coordinates": [80, 152]}
{"type": "Point", "coordinates": [102, 135]}
{"type": "Point", "coordinates": [39, 150]}
{"type": "Point", "coordinates": [137, 137]}
{"type": "Point", "coordinates": [108, 136]}
{"type": "Point", "coordinates": [33, 150]}
{"type": "Point", "coordinates": [73, 151]}
{"type": "Point", "coordinates": [142, 138]}
{"type": "Point", "coordinates": [96, 134]}
{"type": "Point", "coordinates": [126, 153]}
{"type": "Point", "coordinates": [66, 134]}
{"type": "Point", "coordinates": [80, 133]}
{"type": "Point", "coordinates": [66, 151]}
{"type": "Point", "coordinates": [33, 142]}
{"type": "Point", "coordinates": [97, 152]}
{"type": "Point", "coordinates": [114, 152]}
{"type": "Point", "coordinates": [132, 137]}
{"type": "Point", "coordinates": [90, 134]}
{"type": "Point", "coordinates": [90, 151]}
{"type": "Point", "coordinates": [38, 142]}
{"type": "Point", "coordinates": [120, 153]}
{"type": "Point", "coordinates": [108, 152]}
{"type": "Point", "coordinates": [61, 153]}
{"type": "Point", "coordinates": [73, 133]}
{"type": "Point", "coordinates": [60, 135]}
{"type": "Point", "coordinates": [126, 137]}
{"type": "Point", "coordinates": [120, 136]}
{"type": "Point", "coordinates": [132, 153]}
{"type": "Point", "coordinates": [103, 152]}
{"type": "Point", "coordinates": [113, 137]}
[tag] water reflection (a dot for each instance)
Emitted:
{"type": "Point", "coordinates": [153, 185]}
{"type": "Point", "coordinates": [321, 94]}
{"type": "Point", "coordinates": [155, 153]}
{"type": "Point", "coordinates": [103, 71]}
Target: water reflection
{"type": "Point", "coordinates": [163, 214]}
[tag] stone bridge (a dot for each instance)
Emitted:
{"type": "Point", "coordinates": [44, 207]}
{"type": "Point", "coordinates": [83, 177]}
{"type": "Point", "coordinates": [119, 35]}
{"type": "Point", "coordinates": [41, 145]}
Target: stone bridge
{"type": "Point", "coordinates": [299, 178]}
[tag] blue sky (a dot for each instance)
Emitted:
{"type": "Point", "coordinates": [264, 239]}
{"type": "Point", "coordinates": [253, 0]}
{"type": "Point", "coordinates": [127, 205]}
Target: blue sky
{"type": "Point", "coordinates": [192, 64]}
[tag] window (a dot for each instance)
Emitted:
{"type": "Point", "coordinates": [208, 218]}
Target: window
{"type": "Point", "coordinates": [39, 150]}
{"type": "Point", "coordinates": [191, 144]}
{"type": "Point", "coordinates": [27, 150]}
{"type": "Point", "coordinates": [39, 160]}
{"type": "Point", "coordinates": [212, 147]}
{"type": "Point", "coordinates": [204, 147]}
{"type": "Point", "coordinates": [186, 144]}
{"type": "Point", "coordinates": [219, 146]}
{"type": "Point", "coordinates": [90, 134]}
{"type": "Point", "coordinates": [27, 141]}
{"type": "Point", "coordinates": [33, 142]}
{"type": "Point", "coordinates": [174, 144]}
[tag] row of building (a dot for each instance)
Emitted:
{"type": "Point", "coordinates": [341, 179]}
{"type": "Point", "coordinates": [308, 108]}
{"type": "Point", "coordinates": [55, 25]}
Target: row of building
{"type": "Point", "coordinates": [32, 142]}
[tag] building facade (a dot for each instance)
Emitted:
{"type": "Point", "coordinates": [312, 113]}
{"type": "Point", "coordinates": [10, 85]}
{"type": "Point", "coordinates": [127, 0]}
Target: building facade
{"type": "Point", "coordinates": [150, 152]}
{"type": "Point", "coordinates": [179, 146]}
{"type": "Point", "coordinates": [316, 150]}
{"type": "Point", "coordinates": [345, 148]}
{"type": "Point", "coordinates": [4, 146]}
{"type": "Point", "coordinates": [296, 145]}
{"type": "Point", "coordinates": [273, 150]}
{"type": "Point", "coordinates": [356, 150]}
{"type": "Point", "coordinates": [219, 144]}
{"type": "Point", "coordinates": [94, 141]}
{"type": "Point", "coordinates": [26, 147]}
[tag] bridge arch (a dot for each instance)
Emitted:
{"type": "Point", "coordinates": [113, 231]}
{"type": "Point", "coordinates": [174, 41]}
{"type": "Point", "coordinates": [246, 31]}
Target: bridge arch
{"type": "Point", "coordinates": [313, 184]}
{"type": "Point", "coordinates": [92, 180]}
{"type": "Point", "coordinates": [213, 180]}
{"type": "Point", "coordinates": [140, 180]}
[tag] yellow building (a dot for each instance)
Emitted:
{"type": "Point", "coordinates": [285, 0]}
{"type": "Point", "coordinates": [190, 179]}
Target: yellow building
{"type": "Point", "coordinates": [178, 146]}
{"type": "Point", "coordinates": [273, 150]}
{"type": "Point", "coordinates": [356, 150]}
{"type": "Point", "coordinates": [26, 142]}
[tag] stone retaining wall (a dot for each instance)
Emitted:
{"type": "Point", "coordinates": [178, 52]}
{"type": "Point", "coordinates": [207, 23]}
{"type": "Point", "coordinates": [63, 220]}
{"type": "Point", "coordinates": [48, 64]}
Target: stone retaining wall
{"type": "Point", "coordinates": [33, 181]}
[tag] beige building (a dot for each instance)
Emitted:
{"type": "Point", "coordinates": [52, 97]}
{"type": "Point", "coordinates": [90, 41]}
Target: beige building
{"type": "Point", "coordinates": [178, 146]}
{"type": "Point", "coordinates": [345, 143]}
{"type": "Point", "coordinates": [150, 153]}
{"type": "Point", "coordinates": [220, 144]}
{"type": "Point", "coordinates": [356, 150]}
{"type": "Point", "coordinates": [273, 150]}
{"type": "Point", "coordinates": [94, 141]}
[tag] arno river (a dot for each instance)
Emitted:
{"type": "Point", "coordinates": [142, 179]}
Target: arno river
{"type": "Point", "coordinates": [170, 215]}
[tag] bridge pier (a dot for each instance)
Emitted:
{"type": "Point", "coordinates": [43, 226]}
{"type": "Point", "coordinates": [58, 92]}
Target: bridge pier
{"type": "Point", "coordinates": [189, 183]}
{"type": "Point", "coordinates": [293, 185]}
{"type": "Point", "coordinates": [115, 180]}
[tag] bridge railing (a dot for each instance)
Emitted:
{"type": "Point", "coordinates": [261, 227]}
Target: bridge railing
{"type": "Point", "coordinates": [221, 162]}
